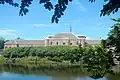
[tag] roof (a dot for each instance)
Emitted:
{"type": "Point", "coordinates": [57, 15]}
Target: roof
{"type": "Point", "coordinates": [81, 36]}
{"type": "Point", "coordinates": [93, 42]}
{"type": "Point", "coordinates": [35, 42]}
{"type": "Point", "coordinates": [68, 35]}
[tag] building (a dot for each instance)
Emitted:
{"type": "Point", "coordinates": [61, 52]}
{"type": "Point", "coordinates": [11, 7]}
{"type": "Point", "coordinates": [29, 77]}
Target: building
{"type": "Point", "coordinates": [63, 39]}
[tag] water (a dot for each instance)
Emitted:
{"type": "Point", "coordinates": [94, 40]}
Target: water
{"type": "Point", "coordinates": [13, 76]}
{"type": "Point", "coordinates": [18, 72]}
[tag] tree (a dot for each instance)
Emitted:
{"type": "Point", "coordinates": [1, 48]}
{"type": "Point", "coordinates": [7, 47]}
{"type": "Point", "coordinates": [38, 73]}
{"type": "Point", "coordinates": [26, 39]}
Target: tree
{"type": "Point", "coordinates": [98, 61]}
{"type": "Point", "coordinates": [113, 39]}
{"type": "Point", "coordinates": [111, 6]}
{"type": "Point", "coordinates": [103, 43]}
{"type": "Point", "coordinates": [2, 41]}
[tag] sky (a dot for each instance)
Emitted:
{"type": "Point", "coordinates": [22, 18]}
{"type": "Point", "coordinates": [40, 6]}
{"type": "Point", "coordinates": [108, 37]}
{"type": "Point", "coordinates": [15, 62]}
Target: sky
{"type": "Point", "coordinates": [81, 15]}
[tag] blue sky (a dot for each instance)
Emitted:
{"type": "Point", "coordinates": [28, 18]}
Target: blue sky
{"type": "Point", "coordinates": [83, 16]}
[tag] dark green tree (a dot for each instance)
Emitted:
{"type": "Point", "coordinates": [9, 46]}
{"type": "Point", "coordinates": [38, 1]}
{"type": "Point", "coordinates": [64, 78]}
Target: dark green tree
{"type": "Point", "coordinates": [113, 40]}
{"type": "Point", "coordinates": [2, 41]}
{"type": "Point", "coordinates": [59, 8]}
{"type": "Point", "coordinates": [98, 61]}
{"type": "Point", "coordinates": [104, 43]}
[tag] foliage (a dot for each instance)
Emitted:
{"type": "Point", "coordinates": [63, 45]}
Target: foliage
{"type": "Point", "coordinates": [116, 20]}
{"type": "Point", "coordinates": [2, 59]}
{"type": "Point", "coordinates": [95, 59]}
{"type": "Point", "coordinates": [98, 61]}
{"type": "Point", "coordinates": [103, 43]}
{"type": "Point", "coordinates": [111, 6]}
{"type": "Point", "coordinates": [60, 52]}
{"type": "Point", "coordinates": [113, 39]}
{"type": "Point", "coordinates": [2, 41]}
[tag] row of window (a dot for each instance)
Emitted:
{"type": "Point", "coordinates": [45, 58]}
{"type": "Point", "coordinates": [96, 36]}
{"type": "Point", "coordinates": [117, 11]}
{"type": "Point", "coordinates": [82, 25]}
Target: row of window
{"type": "Point", "coordinates": [7, 47]}
{"type": "Point", "coordinates": [11, 47]}
{"type": "Point", "coordinates": [63, 43]}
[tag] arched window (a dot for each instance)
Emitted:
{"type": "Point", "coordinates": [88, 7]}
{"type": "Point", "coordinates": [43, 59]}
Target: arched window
{"type": "Point", "coordinates": [77, 43]}
{"type": "Point", "coordinates": [17, 45]}
{"type": "Point", "coordinates": [64, 43]}
{"type": "Point", "coordinates": [70, 43]}
{"type": "Point", "coordinates": [51, 43]}
{"type": "Point", "coordinates": [56, 43]}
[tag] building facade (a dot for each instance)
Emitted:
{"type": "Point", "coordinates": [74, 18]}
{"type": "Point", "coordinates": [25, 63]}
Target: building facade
{"type": "Point", "coordinates": [59, 39]}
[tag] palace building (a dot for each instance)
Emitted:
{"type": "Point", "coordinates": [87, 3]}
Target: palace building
{"type": "Point", "coordinates": [59, 39]}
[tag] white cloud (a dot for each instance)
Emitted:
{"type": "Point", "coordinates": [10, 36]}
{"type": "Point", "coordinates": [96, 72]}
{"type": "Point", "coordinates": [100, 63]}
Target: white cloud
{"type": "Point", "coordinates": [41, 25]}
{"type": "Point", "coordinates": [81, 8]}
{"type": "Point", "coordinates": [99, 24]}
{"type": "Point", "coordinates": [76, 2]}
{"type": "Point", "coordinates": [79, 5]}
{"type": "Point", "coordinates": [7, 32]}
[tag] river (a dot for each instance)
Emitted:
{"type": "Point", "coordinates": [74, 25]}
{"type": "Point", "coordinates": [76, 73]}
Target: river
{"type": "Point", "coordinates": [20, 72]}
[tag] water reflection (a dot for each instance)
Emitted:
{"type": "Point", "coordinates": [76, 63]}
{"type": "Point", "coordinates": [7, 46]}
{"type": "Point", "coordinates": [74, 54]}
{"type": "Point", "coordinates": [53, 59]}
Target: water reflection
{"type": "Point", "coordinates": [78, 78]}
{"type": "Point", "coordinates": [12, 76]}
{"type": "Point", "coordinates": [36, 72]}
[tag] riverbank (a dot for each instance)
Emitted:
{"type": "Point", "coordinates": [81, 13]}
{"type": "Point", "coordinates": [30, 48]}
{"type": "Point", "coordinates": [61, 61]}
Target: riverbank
{"type": "Point", "coordinates": [40, 62]}
{"type": "Point", "coordinates": [37, 69]}
{"type": "Point", "coordinates": [37, 61]}
{"type": "Point", "coordinates": [62, 73]}
{"type": "Point", "coordinates": [31, 66]}
{"type": "Point", "coordinates": [96, 60]}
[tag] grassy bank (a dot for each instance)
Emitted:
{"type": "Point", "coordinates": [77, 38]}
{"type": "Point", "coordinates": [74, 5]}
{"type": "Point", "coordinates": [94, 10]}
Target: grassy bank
{"type": "Point", "coordinates": [41, 61]}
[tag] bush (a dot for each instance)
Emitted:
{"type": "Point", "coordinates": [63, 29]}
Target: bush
{"type": "Point", "coordinates": [55, 53]}
{"type": "Point", "coordinates": [2, 59]}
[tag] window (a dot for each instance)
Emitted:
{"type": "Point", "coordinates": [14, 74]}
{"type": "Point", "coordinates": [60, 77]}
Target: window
{"type": "Point", "coordinates": [57, 43]}
{"type": "Point", "coordinates": [17, 45]}
{"type": "Point", "coordinates": [51, 43]}
{"type": "Point", "coordinates": [6, 47]}
{"type": "Point", "coordinates": [64, 43]}
{"type": "Point", "coordinates": [80, 45]}
{"type": "Point", "coordinates": [77, 43]}
{"type": "Point", "coordinates": [70, 43]}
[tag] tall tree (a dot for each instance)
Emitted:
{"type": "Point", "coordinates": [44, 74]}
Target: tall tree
{"type": "Point", "coordinates": [111, 6]}
{"type": "Point", "coordinates": [2, 41]}
{"type": "Point", "coordinates": [114, 37]}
